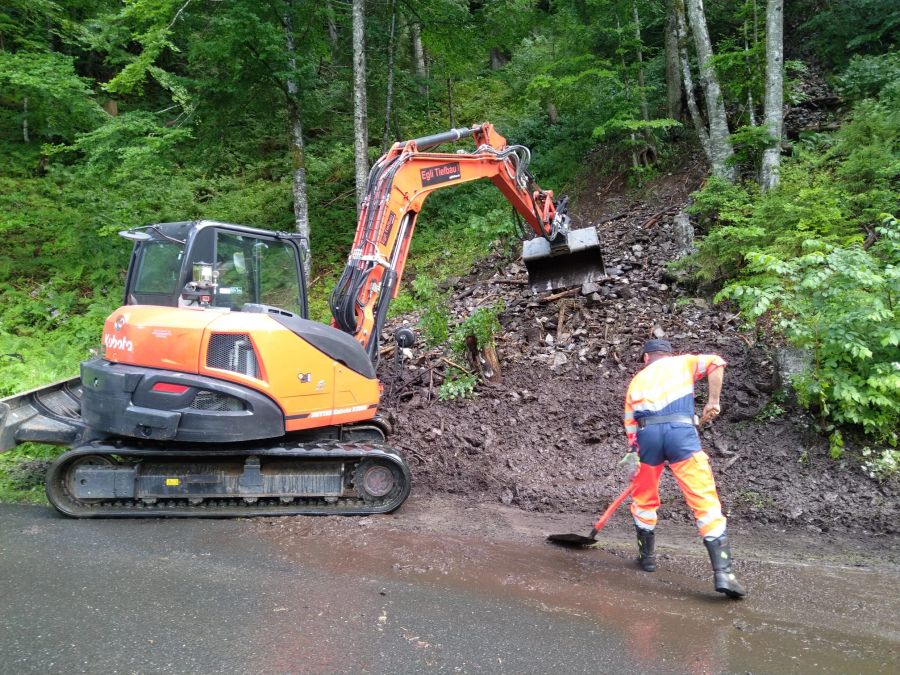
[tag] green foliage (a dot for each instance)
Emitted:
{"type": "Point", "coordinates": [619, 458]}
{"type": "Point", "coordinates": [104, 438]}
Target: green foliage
{"type": "Point", "coordinates": [773, 409]}
{"type": "Point", "coordinates": [840, 303]}
{"type": "Point", "coordinates": [22, 473]}
{"type": "Point", "coordinates": [842, 29]}
{"type": "Point", "coordinates": [59, 102]}
{"type": "Point", "coordinates": [435, 320]}
{"type": "Point", "coordinates": [867, 76]}
{"type": "Point", "coordinates": [457, 385]}
{"type": "Point", "coordinates": [836, 445]}
{"type": "Point", "coordinates": [483, 324]}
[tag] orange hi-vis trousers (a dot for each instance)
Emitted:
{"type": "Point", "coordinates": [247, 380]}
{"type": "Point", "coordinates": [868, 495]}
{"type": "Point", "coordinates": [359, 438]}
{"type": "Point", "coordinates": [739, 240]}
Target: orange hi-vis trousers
{"type": "Point", "coordinates": [695, 478]}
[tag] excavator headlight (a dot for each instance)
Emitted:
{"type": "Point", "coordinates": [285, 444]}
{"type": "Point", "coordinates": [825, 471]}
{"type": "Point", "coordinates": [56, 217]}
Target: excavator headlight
{"type": "Point", "coordinates": [203, 273]}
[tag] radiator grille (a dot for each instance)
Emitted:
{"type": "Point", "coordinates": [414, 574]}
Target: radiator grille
{"type": "Point", "coordinates": [232, 351]}
{"type": "Point", "coordinates": [213, 400]}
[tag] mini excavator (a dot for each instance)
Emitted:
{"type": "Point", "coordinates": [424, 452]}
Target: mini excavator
{"type": "Point", "coordinates": [216, 396]}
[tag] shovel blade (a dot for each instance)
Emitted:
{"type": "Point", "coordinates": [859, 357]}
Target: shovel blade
{"type": "Point", "coordinates": [571, 540]}
{"type": "Point", "coordinates": [574, 260]}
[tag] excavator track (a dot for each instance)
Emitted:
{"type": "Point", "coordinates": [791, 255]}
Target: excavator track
{"type": "Point", "coordinates": [102, 480]}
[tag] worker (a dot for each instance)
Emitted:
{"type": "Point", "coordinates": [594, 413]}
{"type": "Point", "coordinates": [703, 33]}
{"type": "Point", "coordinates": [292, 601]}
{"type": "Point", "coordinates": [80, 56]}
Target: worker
{"type": "Point", "coordinates": [660, 426]}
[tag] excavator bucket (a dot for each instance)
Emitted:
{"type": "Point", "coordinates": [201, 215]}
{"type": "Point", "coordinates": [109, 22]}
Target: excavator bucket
{"type": "Point", "coordinates": [50, 414]}
{"type": "Point", "coordinates": [571, 260]}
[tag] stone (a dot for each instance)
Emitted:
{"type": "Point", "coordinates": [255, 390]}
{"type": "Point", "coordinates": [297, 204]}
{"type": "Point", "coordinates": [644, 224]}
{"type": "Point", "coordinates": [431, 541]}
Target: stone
{"type": "Point", "coordinates": [589, 287]}
{"type": "Point", "coordinates": [559, 360]}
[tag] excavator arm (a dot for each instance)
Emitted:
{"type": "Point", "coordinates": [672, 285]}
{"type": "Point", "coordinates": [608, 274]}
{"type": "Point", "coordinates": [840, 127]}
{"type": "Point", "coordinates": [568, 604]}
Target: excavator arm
{"type": "Point", "coordinates": [397, 187]}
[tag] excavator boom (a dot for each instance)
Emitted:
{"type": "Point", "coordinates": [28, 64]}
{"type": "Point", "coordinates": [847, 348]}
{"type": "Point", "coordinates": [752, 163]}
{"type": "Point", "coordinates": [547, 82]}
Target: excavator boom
{"type": "Point", "coordinates": [397, 187]}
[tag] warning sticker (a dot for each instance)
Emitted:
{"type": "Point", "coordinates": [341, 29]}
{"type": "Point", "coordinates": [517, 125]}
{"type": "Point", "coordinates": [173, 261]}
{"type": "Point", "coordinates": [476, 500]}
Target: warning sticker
{"type": "Point", "coordinates": [173, 481]}
{"type": "Point", "coordinates": [440, 173]}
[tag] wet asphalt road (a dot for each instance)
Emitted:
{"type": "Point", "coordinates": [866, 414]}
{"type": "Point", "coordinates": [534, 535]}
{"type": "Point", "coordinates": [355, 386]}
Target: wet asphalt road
{"type": "Point", "coordinates": [202, 596]}
{"type": "Point", "coordinates": [175, 596]}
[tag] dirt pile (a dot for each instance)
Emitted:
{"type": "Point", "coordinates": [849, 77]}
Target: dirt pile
{"type": "Point", "coordinates": [549, 436]}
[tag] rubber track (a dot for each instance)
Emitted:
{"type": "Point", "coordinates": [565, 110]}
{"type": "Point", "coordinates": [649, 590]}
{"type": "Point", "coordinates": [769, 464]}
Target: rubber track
{"type": "Point", "coordinates": [229, 507]}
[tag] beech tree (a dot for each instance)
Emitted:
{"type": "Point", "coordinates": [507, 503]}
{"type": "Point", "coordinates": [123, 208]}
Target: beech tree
{"type": "Point", "coordinates": [771, 160]}
{"type": "Point", "coordinates": [298, 152]}
{"type": "Point", "coordinates": [360, 114]}
{"type": "Point", "coordinates": [720, 148]}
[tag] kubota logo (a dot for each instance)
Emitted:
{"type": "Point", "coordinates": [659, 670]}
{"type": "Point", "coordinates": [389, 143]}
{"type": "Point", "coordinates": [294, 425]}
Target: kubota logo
{"type": "Point", "coordinates": [112, 342]}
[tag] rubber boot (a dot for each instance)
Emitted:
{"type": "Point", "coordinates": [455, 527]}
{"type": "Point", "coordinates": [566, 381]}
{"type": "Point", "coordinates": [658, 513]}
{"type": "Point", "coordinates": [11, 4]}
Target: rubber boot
{"type": "Point", "coordinates": [646, 549]}
{"type": "Point", "coordinates": [720, 556]}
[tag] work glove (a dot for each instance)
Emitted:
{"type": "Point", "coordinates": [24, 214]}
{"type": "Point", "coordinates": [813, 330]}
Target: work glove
{"type": "Point", "coordinates": [710, 412]}
{"type": "Point", "coordinates": [631, 463]}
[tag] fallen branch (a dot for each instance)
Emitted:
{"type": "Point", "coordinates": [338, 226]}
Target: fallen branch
{"type": "Point", "coordinates": [504, 280]}
{"type": "Point", "coordinates": [453, 364]}
{"type": "Point", "coordinates": [563, 294]}
{"type": "Point", "coordinates": [731, 461]}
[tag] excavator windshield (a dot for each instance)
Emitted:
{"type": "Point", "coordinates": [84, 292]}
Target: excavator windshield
{"type": "Point", "coordinates": [245, 266]}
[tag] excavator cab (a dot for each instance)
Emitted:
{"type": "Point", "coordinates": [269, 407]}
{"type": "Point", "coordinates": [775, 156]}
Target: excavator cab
{"type": "Point", "coordinates": [211, 264]}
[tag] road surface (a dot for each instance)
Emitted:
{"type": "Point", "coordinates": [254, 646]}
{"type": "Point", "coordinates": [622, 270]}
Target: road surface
{"type": "Point", "coordinates": [403, 594]}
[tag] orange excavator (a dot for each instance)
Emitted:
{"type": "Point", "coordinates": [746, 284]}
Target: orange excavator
{"type": "Point", "coordinates": [216, 396]}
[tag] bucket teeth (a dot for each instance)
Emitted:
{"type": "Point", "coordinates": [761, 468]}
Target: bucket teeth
{"type": "Point", "coordinates": [569, 263]}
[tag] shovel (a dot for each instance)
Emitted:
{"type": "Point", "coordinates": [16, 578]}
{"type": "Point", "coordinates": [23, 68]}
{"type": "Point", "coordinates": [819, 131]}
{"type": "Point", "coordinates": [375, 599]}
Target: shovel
{"type": "Point", "coordinates": [579, 540]}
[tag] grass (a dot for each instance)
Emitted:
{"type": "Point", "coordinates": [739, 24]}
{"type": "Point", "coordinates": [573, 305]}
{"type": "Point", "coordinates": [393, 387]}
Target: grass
{"type": "Point", "coordinates": [22, 473]}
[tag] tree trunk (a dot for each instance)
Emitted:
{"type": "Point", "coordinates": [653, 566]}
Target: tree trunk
{"type": "Point", "coordinates": [415, 31]}
{"type": "Point", "coordinates": [774, 93]}
{"type": "Point", "coordinates": [684, 59]}
{"type": "Point", "coordinates": [642, 92]}
{"type": "Point", "coordinates": [385, 139]}
{"type": "Point", "coordinates": [719, 136]}
{"type": "Point", "coordinates": [450, 101]}
{"type": "Point", "coordinates": [627, 84]}
{"type": "Point", "coordinates": [298, 154]}
{"type": "Point", "coordinates": [360, 115]}
{"type": "Point", "coordinates": [25, 136]}
{"type": "Point", "coordinates": [751, 106]}
{"type": "Point", "coordinates": [552, 113]}
{"type": "Point", "coordinates": [332, 30]}
{"type": "Point", "coordinates": [674, 91]}
{"type": "Point", "coordinates": [498, 58]}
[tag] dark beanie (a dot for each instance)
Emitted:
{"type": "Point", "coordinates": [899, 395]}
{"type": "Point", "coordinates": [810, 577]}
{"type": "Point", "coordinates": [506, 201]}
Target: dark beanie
{"type": "Point", "coordinates": [657, 346]}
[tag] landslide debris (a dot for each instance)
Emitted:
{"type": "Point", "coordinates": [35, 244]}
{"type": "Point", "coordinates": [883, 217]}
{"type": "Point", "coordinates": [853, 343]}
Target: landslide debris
{"type": "Point", "coordinates": [547, 438]}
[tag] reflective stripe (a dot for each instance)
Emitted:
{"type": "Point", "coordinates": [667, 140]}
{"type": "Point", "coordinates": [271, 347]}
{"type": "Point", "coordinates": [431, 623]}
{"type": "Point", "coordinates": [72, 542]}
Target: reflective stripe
{"type": "Point", "coordinates": [647, 514]}
{"type": "Point", "coordinates": [711, 516]}
{"type": "Point", "coordinates": [715, 532]}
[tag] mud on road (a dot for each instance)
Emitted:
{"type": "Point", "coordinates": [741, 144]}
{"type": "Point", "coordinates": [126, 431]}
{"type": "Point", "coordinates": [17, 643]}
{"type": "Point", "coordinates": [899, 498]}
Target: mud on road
{"type": "Point", "coordinates": [548, 437]}
{"type": "Point", "coordinates": [817, 603]}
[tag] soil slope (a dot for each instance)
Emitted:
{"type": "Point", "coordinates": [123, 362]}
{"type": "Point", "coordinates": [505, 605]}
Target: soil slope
{"type": "Point", "coordinates": [549, 436]}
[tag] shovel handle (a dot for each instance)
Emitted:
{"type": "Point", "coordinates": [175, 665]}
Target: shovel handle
{"type": "Point", "coordinates": [612, 508]}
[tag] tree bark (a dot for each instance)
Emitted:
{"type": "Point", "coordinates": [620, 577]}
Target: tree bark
{"type": "Point", "coordinates": [674, 91]}
{"type": "Point", "coordinates": [450, 101]}
{"type": "Point", "coordinates": [298, 153]}
{"type": "Point", "coordinates": [385, 139]}
{"type": "Point", "coordinates": [774, 106]}
{"type": "Point", "coordinates": [418, 53]}
{"type": "Point", "coordinates": [360, 115]}
{"type": "Point", "coordinates": [719, 137]}
{"type": "Point", "coordinates": [332, 30]}
{"type": "Point", "coordinates": [25, 136]}
{"type": "Point", "coordinates": [687, 78]}
{"type": "Point", "coordinates": [642, 92]}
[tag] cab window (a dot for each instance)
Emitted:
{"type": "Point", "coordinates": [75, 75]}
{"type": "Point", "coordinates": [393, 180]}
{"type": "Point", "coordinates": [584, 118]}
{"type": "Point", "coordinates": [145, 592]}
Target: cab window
{"type": "Point", "coordinates": [257, 270]}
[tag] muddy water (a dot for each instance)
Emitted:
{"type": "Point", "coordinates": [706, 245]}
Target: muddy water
{"type": "Point", "coordinates": [808, 617]}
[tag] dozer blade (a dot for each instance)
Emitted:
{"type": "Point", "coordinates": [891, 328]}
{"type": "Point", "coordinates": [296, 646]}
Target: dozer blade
{"type": "Point", "coordinates": [50, 414]}
{"type": "Point", "coordinates": [572, 261]}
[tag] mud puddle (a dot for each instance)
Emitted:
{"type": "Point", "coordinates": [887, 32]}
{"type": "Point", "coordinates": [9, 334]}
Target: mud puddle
{"type": "Point", "coordinates": [799, 617]}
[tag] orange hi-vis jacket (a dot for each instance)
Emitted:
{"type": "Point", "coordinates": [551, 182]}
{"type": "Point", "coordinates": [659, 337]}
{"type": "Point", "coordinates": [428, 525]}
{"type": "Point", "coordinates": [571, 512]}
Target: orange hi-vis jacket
{"type": "Point", "coordinates": [666, 387]}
